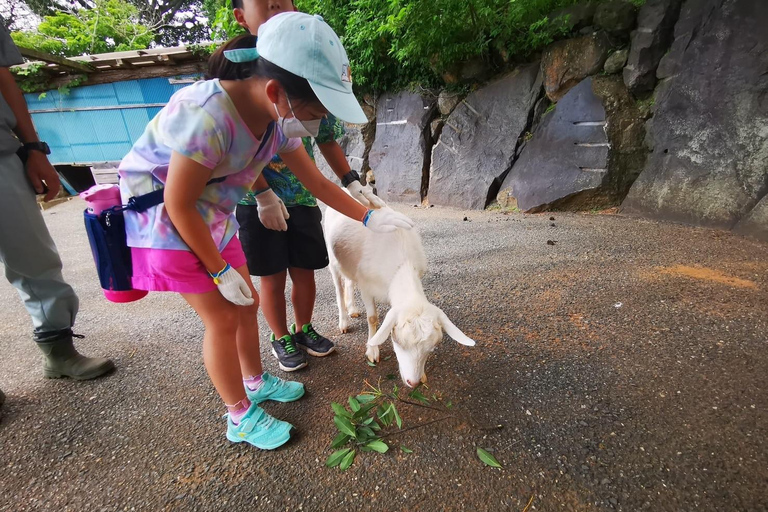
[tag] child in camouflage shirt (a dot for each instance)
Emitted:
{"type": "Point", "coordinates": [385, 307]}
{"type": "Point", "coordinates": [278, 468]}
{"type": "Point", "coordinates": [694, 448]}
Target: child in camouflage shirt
{"type": "Point", "coordinates": [280, 225]}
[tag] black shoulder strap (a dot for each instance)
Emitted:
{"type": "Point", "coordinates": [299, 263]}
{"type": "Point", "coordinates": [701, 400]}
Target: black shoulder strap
{"type": "Point", "coordinates": [146, 201]}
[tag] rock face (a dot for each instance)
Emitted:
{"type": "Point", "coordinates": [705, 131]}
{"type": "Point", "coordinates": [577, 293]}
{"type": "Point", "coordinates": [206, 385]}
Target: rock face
{"type": "Point", "coordinates": [615, 62]}
{"type": "Point", "coordinates": [755, 223]}
{"type": "Point", "coordinates": [709, 134]}
{"type": "Point", "coordinates": [447, 101]}
{"type": "Point", "coordinates": [478, 141]}
{"type": "Point", "coordinates": [617, 17]}
{"type": "Point", "coordinates": [399, 155]}
{"type": "Point", "coordinates": [576, 16]}
{"type": "Point", "coordinates": [354, 148]}
{"type": "Point", "coordinates": [566, 63]}
{"type": "Point", "coordinates": [655, 26]}
{"type": "Point", "coordinates": [584, 153]}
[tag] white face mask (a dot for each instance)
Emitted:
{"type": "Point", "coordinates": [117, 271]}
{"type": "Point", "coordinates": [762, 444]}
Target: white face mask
{"type": "Point", "coordinates": [296, 128]}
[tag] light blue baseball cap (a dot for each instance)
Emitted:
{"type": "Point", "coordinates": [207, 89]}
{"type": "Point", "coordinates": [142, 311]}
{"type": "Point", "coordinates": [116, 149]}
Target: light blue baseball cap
{"type": "Point", "coordinates": [306, 46]}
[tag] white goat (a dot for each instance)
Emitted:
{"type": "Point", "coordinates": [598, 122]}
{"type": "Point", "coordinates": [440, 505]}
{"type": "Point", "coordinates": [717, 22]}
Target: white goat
{"type": "Point", "coordinates": [387, 267]}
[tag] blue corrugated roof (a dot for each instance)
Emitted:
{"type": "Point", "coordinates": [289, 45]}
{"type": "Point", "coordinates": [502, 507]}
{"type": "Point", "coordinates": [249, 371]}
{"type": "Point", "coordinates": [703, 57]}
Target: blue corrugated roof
{"type": "Point", "coordinates": [104, 135]}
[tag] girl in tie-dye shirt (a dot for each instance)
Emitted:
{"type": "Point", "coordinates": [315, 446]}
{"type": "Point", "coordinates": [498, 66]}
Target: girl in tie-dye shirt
{"type": "Point", "coordinates": [187, 244]}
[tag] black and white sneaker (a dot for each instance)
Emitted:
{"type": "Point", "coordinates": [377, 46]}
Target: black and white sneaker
{"type": "Point", "coordinates": [290, 358]}
{"type": "Point", "coordinates": [311, 341]}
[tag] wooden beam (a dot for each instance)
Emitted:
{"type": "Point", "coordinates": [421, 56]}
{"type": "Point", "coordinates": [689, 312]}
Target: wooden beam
{"type": "Point", "coordinates": [54, 59]}
{"type": "Point", "coordinates": [122, 75]}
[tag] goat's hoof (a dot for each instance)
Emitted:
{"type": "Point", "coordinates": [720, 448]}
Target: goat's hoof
{"type": "Point", "coordinates": [372, 353]}
{"type": "Point", "coordinates": [344, 326]}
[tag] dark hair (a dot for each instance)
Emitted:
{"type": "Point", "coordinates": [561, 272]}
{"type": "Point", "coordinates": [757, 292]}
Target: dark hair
{"type": "Point", "coordinates": [237, 4]}
{"type": "Point", "coordinates": [296, 87]}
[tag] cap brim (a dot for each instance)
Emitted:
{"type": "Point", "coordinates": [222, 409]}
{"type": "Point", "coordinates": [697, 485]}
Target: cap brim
{"type": "Point", "coordinates": [343, 105]}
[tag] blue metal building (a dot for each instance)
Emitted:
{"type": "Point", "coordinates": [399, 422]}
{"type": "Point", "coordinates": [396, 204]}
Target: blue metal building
{"type": "Point", "coordinates": [98, 123]}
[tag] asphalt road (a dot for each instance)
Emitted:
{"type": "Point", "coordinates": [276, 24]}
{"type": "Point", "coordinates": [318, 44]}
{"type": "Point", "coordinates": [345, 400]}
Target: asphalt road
{"type": "Point", "coordinates": [627, 364]}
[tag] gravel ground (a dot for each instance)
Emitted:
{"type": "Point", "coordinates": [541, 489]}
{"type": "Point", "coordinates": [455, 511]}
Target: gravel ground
{"type": "Point", "coordinates": [627, 364]}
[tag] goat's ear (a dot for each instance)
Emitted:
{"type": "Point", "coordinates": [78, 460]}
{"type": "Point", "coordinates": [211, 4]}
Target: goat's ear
{"type": "Point", "coordinates": [384, 329]}
{"type": "Point", "coordinates": [453, 331]}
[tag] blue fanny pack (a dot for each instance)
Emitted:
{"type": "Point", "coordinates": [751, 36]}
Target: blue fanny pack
{"type": "Point", "coordinates": [106, 235]}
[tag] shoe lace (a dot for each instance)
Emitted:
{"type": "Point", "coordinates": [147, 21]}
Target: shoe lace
{"type": "Point", "coordinates": [289, 345]}
{"type": "Point", "coordinates": [263, 419]}
{"type": "Point", "coordinates": [312, 333]}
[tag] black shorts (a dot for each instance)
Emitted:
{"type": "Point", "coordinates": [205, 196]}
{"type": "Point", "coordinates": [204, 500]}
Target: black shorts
{"type": "Point", "coordinates": [269, 252]}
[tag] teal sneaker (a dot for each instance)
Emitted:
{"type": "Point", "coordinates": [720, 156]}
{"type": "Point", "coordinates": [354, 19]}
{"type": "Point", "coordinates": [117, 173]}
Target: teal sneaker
{"type": "Point", "coordinates": [259, 429]}
{"type": "Point", "coordinates": [275, 388]}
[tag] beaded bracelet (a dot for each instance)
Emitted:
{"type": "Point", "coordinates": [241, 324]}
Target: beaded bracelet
{"type": "Point", "coordinates": [218, 274]}
{"type": "Point", "coordinates": [367, 217]}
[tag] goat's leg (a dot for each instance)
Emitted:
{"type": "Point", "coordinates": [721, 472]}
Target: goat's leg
{"type": "Point", "coordinates": [371, 352]}
{"type": "Point", "coordinates": [349, 298]}
{"type": "Point", "coordinates": [338, 285]}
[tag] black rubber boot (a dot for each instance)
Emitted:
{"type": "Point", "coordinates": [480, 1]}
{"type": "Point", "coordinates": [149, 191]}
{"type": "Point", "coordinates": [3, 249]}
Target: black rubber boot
{"type": "Point", "coordinates": [62, 360]}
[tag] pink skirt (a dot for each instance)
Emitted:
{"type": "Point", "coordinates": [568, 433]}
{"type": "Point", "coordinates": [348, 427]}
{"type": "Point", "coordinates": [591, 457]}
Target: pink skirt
{"type": "Point", "coordinates": [169, 270]}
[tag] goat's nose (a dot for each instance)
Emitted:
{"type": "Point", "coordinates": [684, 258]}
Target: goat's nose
{"type": "Point", "coordinates": [410, 383]}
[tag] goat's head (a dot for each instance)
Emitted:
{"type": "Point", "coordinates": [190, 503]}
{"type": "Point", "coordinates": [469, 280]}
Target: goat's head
{"type": "Point", "coordinates": [416, 332]}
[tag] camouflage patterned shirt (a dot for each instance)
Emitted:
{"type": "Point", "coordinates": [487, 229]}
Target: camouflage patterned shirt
{"type": "Point", "coordinates": [283, 182]}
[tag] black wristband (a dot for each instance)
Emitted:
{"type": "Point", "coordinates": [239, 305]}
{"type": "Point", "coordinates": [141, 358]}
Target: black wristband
{"type": "Point", "coordinates": [349, 178]}
{"type": "Point", "coordinates": [37, 146]}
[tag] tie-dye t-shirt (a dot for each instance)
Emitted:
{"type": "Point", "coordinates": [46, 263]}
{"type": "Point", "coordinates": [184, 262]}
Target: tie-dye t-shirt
{"type": "Point", "coordinates": [201, 123]}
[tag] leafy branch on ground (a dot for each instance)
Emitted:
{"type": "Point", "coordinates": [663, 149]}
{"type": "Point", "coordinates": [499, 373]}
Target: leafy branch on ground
{"type": "Point", "coordinates": [373, 416]}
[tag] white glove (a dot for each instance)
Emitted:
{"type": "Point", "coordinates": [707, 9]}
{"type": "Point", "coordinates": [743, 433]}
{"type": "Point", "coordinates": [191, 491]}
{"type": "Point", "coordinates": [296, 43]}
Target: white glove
{"type": "Point", "coordinates": [386, 220]}
{"type": "Point", "coordinates": [272, 211]}
{"type": "Point", "coordinates": [365, 195]}
{"type": "Point", "coordinates": [233, 287]}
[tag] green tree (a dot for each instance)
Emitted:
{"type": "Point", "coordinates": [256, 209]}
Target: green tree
{"type": "Point", "coordinates": [174, 21]}
{"type": "Point", "coordinates": [110, 25]}
{"type": "Point", "coordinates": [221, 20]}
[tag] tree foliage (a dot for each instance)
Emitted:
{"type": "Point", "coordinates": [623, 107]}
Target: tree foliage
{"type": "Point", "coordinates": [393, 43]}
{"type": "Point", "coordinates": [110, 25]}
{"type": "Point", "coordinates": [221, 20]}
{"type": "Point", "coordinates": [173, 22]}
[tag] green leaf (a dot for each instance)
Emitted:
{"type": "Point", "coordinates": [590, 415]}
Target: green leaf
{"type": "Point", "coordinates": [340, 440]}
{"type": "Point", "coordinates": [398, 420]}
{"type": "Point", "coordinates": [416, 395]}
{"type": "Point", "coordinates": [406, 450]}
{"type": "Point", "coordinates": [363, 436]}
{"type": "Point", "coordinates": [449, 404]}
{"type": "Point", "coordinates": [368, 432]}
{"type": "Point", "coordinates": [354, 404]}
{"type": "Point", "coordinates": [487, 458]}
{"type": "Point", "coordinates": [378, 446]}
{"type": "Point", "coordinates": [365, 398]}
{"type": "Point", "coordinates": [363, 412]}
{"type": "Point", "coordinates": [385, 414]}
{"type": "Point", "coordinates": [347, 460]}
{"type": "Point", "coordinates": [391, 376]}
{"type": "Point", "coordinates": [340, 410]}
{"type": "Point", "coordinates": [344, 425]}
{"type": "Point", "coordinates": [336, 457]}
{"type": "Point", "coordinates": [370, 363]}
{"type": "Point", "coordinates": [388, 358]}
